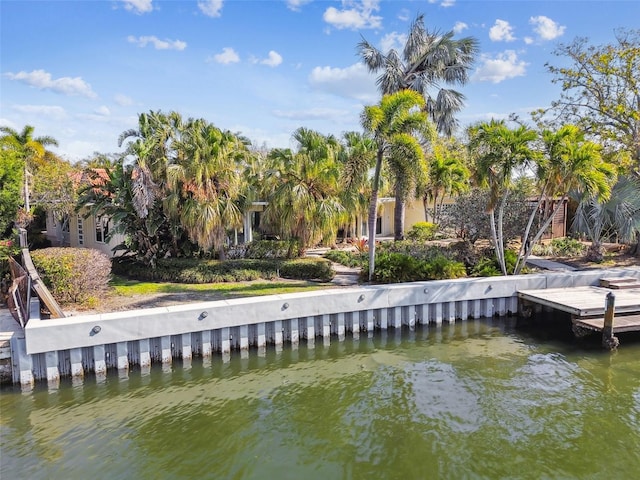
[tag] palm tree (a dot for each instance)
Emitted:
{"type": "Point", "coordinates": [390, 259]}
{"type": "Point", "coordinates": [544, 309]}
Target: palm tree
{"type": "Point", "coordinates": [428, 60]}
{"type": "Point", "coordinates": [571, 163]}
{"type": "Point", "coordinates": [30, 150]}
{"type": "Point", "coordinates": [204, 184]}
{"type": "Point", "coordinates": [500, 151]}
{"type": "Point", "coordinates": [391, 124]}
{"type": "Point", "coordinates": [358, 157]}
{"type": "Point", "coordinates": [617, 217]}
{"type": "Point", "coordinates": [305, 201]}
{"type": "Point", "coordinates": [447, 176]}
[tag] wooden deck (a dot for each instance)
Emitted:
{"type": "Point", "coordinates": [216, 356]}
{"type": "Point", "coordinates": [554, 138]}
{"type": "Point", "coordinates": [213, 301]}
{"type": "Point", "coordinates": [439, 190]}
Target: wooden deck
{"type": "Point", "coordinates": [621, 323]}
{"type": "Point", "coordinates": [587, 305]}
{"type": "Point", "coordinates": [583, 301]}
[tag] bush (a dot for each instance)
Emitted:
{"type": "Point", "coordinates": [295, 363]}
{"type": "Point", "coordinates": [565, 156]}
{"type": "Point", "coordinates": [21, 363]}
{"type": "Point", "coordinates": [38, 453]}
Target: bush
{"type": "Point", "coordinates": [346, 258]}
{"type": "Point", "coordinates": [307, 269]}
{"type": "Point", "coordinates": [422, 232]}
{"type": "Point", "coordinates": [567, 247]}
{"type": "Point", "coordinates": [489, 266]}
{"type": "Point", "coordinates": [193, 270]}
{"type": "Point", "coordinates": [442, 268]}
{"type": "Point", "coordinates": [73, 275]}
{"type": "Point", "coordinates": [393, 267]}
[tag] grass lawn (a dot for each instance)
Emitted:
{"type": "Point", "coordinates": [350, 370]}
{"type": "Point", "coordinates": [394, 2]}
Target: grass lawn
{"type": "Point", "coordinates": [123, 287]}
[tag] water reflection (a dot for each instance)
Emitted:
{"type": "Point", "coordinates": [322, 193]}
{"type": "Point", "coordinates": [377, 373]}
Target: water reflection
{"type": "Point", "coordinates": [480, 399]}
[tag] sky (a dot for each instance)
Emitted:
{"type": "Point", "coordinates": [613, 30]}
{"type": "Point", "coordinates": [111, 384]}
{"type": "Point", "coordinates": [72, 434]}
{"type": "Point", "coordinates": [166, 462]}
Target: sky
{"type": "Point", "coordinates": [82, 71]}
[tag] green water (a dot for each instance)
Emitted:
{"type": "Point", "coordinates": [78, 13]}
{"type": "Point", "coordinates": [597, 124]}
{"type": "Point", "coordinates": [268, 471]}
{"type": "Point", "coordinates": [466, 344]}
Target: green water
{"type": "Point", "coordinates": [474, 400]}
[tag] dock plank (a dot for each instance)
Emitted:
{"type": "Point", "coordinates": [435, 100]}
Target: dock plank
{"type": "Point", "coordinates": [622, 323]}
{"type": "Point", "coordinates": [586, 301]}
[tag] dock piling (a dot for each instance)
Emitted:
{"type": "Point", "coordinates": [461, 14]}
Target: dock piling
{"type": "Point", "coordinates": [609, 340]}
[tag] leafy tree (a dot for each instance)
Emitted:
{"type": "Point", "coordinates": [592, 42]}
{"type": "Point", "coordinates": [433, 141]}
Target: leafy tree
{"type": "Point", "coordinates": [11, 181]}
{"type": "Point", "coordinates": [55, 187]}
{"type": "Point", "coordinates": [601, 90]}
{"type": "Point", "coordinates": [391, 123]}
{"type": "Point", "coordinates": [468, 216]}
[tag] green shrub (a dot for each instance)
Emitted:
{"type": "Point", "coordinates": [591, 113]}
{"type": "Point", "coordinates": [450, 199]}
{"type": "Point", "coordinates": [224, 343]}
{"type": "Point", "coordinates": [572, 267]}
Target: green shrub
{"type": "Point", "coordinates": [307, 269]}
{"type": "Point", "coordinates": [443, 268]}
{"type": "Point", "coordinates": [260, 249]}
{"type": "Point", "coordinates": [393, 267]}
{"type": "Point", "coordinates": [567, 247]}
{"type": "Point", "coordinates": [346, 258]}
{"type": "Point", "coordinates": [192, 270]}
{"type": "Point", "coordinates": [73, 275]}
{"type": "Point", "coordinates": [422, 232]}
{"type": "Point", "coordinates": [489, 266]}
{"type": "Point", "coordinates": [486, 267]}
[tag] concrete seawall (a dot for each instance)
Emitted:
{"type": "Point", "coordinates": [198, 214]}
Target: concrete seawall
{"type": "Point", "coordinates": [73, 346]}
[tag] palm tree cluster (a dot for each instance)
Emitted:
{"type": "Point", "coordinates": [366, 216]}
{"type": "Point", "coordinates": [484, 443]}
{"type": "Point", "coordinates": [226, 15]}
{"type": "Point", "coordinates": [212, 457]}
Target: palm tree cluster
{"type": "Point", "coordinates": [182, 186]}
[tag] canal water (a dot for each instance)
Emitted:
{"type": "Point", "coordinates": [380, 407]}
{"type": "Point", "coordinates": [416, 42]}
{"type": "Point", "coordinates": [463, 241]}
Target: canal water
{"type": "Point", "coordinates": [478, 399]}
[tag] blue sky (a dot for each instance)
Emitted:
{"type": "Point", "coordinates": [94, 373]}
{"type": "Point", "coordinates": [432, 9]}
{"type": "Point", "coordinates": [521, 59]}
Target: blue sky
{"type": "Point", "coordinates": [82, 71]}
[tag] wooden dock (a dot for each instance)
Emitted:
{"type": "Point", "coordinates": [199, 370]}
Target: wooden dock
{"type": "Point", "coordinates": [587, 305]}
{"type": "Point", "coordinates": [583, 301]}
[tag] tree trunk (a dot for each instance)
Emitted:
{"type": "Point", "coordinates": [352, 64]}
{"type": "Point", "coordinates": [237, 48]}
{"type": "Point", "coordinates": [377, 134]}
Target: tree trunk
{"type": "Point", "coordinates": [398, 217]}
{"type": "Point", "coordinates": [373, 209]}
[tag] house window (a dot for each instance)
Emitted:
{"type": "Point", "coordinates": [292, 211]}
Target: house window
{"type": "Point", "coordinates": [102, 229]}
{"type": "Point", "coordinates": [80, 230]}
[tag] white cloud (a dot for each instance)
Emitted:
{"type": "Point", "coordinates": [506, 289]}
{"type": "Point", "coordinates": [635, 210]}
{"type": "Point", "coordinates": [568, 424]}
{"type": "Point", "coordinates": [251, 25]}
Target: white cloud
{"type": "Point", "coordinates": [43, 81]}
{"type": "Point", "coordinates": [103, 110]}
{"type": "Point", "coordinates": [501, 32]}
{"type": "Point", "coordinates": [460, 27]}
{"type": "Point", "coordinates": [122, 100]}
{"type": "Point", "coordinates": [138, 6]}
{"type": "Point", "coordinates": [52, 111]}
{"type": "Point", "coordinates": [354, 15]}
{"type": "Point", "coordinates": [211, 8]}
{"type": "Point", "coordinates": [273, 60]}
{"type": "Point", "coordinates": [404, 15]}
{"type": "Point", "coordinates": [444, 3]}
{"type": "Point", "coordinates": [528, 40]}
{"type": "Point", "coordinates": [157, 43]}
{"type": "Point", "coordinates": [296, 5]}
{"type": "Point", "coordinates": [546, 28]}
{"type": "Point", "coordinates": [504, 66]}
{"type": "Point", "coordinates": [351, 82]}
{"type": "Point", "coordinates": [227, 56]}
{"type": "Point", "coordinates": [393, 40]}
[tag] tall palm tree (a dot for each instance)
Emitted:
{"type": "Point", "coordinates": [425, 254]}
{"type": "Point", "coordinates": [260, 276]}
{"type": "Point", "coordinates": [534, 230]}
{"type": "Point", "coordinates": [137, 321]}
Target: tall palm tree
{"type": "Point", "coordinates": [391, 124]}
{"type": "Point", "coordinates": [500, 151]}
{"type": "Point", "coordinates": [428, 60]}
